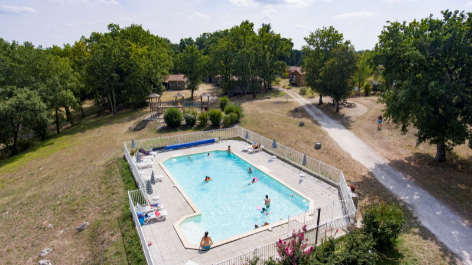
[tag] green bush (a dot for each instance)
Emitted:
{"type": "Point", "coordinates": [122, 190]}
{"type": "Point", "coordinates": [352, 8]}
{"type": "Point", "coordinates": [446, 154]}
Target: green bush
{"type": "Point", "coordinates": [227, 120]}
{"type": "Point", "coordinates": [367, 88]}
{"type": "Point", "coordinates": [303, 91]}
{"type": "Point", "coordinates": [173, 117]}
{"type": "Point", "coordinates": [358, 248]}
{"type": "Point", "coordinates": [224, 100]}
{"type": "Point", "coordinates": [384, 222]}
{"type": "Point", "coordinates": [203, 118]}
{"type": "Point", "coordinates": [233, 108]}
{"type": "Point", "coordinates": [285, 75]}
{"type": "Point", "coordinates": [215, 116]}
{"type": "Point", "coordinates": [234, 117]}
{"type": "Point", "coordinates": [277, 81]}
{"type": "Point", "coordinates": [190, 117]}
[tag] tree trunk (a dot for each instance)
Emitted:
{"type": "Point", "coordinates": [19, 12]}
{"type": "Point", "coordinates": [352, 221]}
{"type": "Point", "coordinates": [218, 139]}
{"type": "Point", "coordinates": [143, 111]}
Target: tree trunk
{"type": "Point", "coordinates": [57, 121]}
{"type": "Point", "coordinates": [15, 140]}
{"type": "Point", "coordinates": [191, 95]}
{"type": "Point", "coordinates": [114, 101]}
{"type": "Point", "coordinates": [82, 110]}
{"type": "Point", "coordinates": [440, 152]}
{"type": "Point", "coordinates": [337, 106]}
{"type": "Point", "coordinates": [69, 116]}
{"type": "Point", "coordinates": [321, 100]}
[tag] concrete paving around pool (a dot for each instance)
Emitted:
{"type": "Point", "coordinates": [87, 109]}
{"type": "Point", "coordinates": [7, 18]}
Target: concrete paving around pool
{"type": "Point", "coordinates": [167, 248]}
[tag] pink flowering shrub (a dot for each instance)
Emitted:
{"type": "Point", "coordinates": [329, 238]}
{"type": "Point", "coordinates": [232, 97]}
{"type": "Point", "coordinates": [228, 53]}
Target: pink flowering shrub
{"type": "Point", "coordinates": [294, 251]}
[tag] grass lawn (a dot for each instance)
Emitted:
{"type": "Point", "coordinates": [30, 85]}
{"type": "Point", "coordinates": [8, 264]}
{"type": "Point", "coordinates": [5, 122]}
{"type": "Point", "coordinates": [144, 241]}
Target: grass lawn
{"type": "Point", "coordinates": [80, 176]}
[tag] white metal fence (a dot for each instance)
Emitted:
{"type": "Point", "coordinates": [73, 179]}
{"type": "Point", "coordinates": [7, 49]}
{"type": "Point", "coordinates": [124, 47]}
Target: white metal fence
{"type": "Point", "coordinates": [332, 216]}
{"type": "Point", "coordinates": [313, 236]}
{"type": "Point", "coordinates": [138, 197]}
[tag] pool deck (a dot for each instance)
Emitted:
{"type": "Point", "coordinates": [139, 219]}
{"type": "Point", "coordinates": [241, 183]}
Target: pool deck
{"type": "Point", "coordinates": [167, 247]}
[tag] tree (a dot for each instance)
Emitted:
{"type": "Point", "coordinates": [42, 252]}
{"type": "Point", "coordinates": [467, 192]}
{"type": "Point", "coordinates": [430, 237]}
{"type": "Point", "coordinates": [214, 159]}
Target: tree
{"type": "Point", "coordinates": [243, 63]}
{"type": "Point", "coordinates": [427, 73]}
{"type": "Point", "coordinates": [316, 52]}
{"type": "Point", "coordinates": [363, 69]}
{"type": "Point", "coordinates": [126, 65]}
{"type": "Point", "coordinates": [269, 48]}
{"type": "Point", "coordinates": [56, 91]}
{"type": "Point", "coordinates": [20, 110]}
{"type": "Point", "coordinates": [193, 64]}
{"type": "Point", "coordinates": [336, 73]}
{"type": "Point", "coordinates": [221, 56]}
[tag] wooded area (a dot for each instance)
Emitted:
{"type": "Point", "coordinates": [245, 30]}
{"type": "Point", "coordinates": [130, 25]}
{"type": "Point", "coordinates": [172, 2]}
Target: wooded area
{"type": "Point", "coordinates": [425, 80]}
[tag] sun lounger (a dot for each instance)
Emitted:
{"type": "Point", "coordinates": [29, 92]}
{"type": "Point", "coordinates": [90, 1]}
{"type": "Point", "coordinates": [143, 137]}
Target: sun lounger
{"type": "Point", "coordinates": [247, 148]}
{"type": "Point", "coordinates": [143, 165]}
{"type": "Point", "coordinates": [157, 215]}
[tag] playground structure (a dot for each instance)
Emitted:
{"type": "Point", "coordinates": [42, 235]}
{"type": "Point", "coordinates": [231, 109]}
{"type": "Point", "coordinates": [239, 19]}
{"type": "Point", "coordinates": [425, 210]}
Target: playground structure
{"type": "Point", "coordinates": [157, 107]}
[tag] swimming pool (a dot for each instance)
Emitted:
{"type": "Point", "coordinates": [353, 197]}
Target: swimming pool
{"type": "Point", "coordinates": [228, 204]}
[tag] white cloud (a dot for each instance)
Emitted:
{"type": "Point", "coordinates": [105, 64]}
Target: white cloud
{"type": "Point", "coordinates": [356, 14]}
{"type": "Point", "coordinates": [78, 24]}
{"type": "Point", "coordinates": [198, 15]}
{"type": "Point", "coordinates": [16, 10]}
{"type": "Point", "coordinates": [299, 26]}
{"type": "Point", "coordinates": [89, 2]}
{"type": "Point", "coordinates": [398, 1]}
{"type": "Point", "coordinates": [245, 3]}
{"type": "Point", "coordinates": [468, 3]}
{"type": "Point", "coordinates": [267, 16]}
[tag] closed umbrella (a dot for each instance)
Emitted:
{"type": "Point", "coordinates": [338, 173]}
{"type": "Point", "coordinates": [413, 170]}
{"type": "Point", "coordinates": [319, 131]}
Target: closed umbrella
{"type": "Point", "coordinates": [303, 163]}
{"type": "Point", "coordinates": [138, 157]}
{"type": "Point", "coordinates": [133, 145]}
{"type": "Point", "coordinates": [274, 144]}
{"type": "Point", "coordinates": [247, 135]}
{"type": "Point", "coordinates": [153, 180]}
{"type": "Point", "coordinates": [148, 187]}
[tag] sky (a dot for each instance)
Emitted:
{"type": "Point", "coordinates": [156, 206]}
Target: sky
{"type": "Point", "coordinates": [56, 22]}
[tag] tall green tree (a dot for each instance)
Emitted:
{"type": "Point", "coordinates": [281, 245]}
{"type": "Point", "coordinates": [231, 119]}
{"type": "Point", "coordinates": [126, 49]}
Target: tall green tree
{"type": "Point", "coordinates": [316, 52]}
{"type": "Point", "coordinates": [56, 91]}
{"type": "Point", "coordinates": [20, 110]}
{"type": "Point", "coordinates": [269, 48]}
{"type": "Point", "coordinates": [428, 77]}
{"type": "Point", "coordinates": [243, 37]}
{"type": "Point", "coordinates": [193, 64]}
{"type": "Point", "coordinates": [221, 61]}
{"type": "Point", "coordinates": [363, 69]}
{"type": "Point", "coordinates": [336, 73]}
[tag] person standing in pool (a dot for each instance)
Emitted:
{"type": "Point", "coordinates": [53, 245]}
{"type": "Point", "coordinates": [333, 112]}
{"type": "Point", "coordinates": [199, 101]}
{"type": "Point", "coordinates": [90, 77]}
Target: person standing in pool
{"type": "Point", "coordinates": [267, 201]}
{"type": "Point", "coordinates": [229, 149]}
{"type": "Point", "coordinates": [206, 242]}
{"type": "Point", "coordinates": [250, 170]}
{"type": "Point", "coordinates": [208, 154]}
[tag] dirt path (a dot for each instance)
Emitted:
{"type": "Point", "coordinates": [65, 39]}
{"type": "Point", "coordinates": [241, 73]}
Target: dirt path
{"type": "Point", "coordinates": [451, 229]}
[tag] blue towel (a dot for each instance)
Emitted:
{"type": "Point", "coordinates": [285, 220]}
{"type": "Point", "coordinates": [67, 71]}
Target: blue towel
{"type": "Point", "coordinates": [141, 220]}
{"type": "Point", "coordinates": [139, 214]}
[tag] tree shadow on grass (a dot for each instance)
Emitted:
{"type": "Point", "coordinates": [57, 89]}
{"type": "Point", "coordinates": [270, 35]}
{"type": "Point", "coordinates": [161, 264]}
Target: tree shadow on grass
{"type": "Point", "coordinates": [448, 182]}
{"type": "Point", "coordinates": [368, 188]}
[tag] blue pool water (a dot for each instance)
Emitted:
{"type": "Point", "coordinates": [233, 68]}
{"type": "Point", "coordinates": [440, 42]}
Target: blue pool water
{"type": "Point", "coordinates": [228, 204]}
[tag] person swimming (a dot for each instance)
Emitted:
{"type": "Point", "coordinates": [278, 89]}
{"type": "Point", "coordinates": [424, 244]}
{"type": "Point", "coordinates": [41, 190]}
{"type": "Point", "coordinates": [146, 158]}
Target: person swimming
{"type": "Point", "coordinates": [207, 178]}
{"type": "Point", "coordinates": [250, 170]}
{"type": "Point", "coordinates": [265, 211]}
{"type": "Point", "coordinates": [208, 154]}
{"type": "Point", "coordinates": [254, 180]}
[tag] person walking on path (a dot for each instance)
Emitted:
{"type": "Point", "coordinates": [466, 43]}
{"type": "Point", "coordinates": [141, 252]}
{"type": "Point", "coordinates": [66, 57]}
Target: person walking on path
{"type": "Point", "coordinates": [379, 123]}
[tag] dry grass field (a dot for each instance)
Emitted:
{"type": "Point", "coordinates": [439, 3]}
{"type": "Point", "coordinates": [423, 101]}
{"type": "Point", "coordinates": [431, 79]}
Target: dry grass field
{"type": "Point", "coordinates": [75, 177]}
{"type": "Point", "coordinates": [449, 182]}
